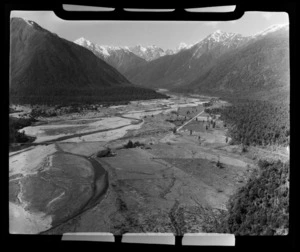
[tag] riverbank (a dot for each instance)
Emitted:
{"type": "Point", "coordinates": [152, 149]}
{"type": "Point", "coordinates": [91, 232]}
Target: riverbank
{"type": "Point", "coordinates": [67, 184]}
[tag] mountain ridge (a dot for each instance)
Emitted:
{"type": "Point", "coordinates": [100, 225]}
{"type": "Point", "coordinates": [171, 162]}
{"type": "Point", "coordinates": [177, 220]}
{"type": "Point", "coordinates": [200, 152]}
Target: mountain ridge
{"type": "Point", "coordinates": [260, 68]}
{"type": "Point", "coordinates": [46, 68]}
{"type": "Point", "coordinates": [139, 49]}
{"type": "Point", "coordinates": [148, 53]}
{"type": "Point", "coordinates": [221, 63]}
{"type": "Point", "coordinates": [194, 70]}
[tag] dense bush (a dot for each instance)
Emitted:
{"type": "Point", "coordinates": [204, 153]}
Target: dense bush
{"type": "Point", "coordinates": [105, 153]}
{"type": "Point", "coordinates": [261, 207]}
{"type": "Point", "coordinates": [257, 122]}
{"type": "Point", "coordinates": [207, 104]}
{"type": "Point", "coordinates": [131, 144]}
{"type": "Point", "coordinates": [15, 124]}
{"type": "Point", "coordinates": [213, 110]}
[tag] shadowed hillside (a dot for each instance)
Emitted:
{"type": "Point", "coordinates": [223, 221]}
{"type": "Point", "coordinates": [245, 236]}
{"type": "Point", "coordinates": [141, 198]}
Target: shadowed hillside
{"type": "Point", "coordinates": [46, 68]}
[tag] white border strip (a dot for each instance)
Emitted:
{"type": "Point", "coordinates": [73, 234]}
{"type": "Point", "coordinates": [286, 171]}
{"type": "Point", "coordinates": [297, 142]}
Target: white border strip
{"type": "Point", "coordinates": [73, 7]}
{"type": "Point", "coordinates": [149, 238]}
{"type": "Point", "coordinates": [222, 9]}
{"type": "Point", "coordinates": [208, 239]}
{"type": "Point", "coordinates": [99, 237]}
{"type": "Point", "coordinates": [189, 239]}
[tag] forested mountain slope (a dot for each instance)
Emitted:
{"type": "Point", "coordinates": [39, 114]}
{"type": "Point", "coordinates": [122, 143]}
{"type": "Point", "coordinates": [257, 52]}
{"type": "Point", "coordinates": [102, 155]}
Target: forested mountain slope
{"type": "Point", "coordinates": [46, 68]}
{"type": "Point", "coordinates": [260, 70]}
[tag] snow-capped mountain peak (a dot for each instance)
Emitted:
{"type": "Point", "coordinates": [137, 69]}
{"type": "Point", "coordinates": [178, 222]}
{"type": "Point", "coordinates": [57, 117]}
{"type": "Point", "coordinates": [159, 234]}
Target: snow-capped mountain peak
{"type": "Point", "coordinates": [148, 53]}
{"type": "Point", "coordinates": [97, 49]}
{"type": "Point", "coordinates": [223, 40]}
{"type": "Point", "coordinates": [271, 29]}
{"type": "Point", "coordinates": [180, 47]}
{"type": "Point", "coordinates": [143, 49]}
{"type": "Point", "coordinates": [83, 41]}
{"type": "Point", "coordinates": [183, 45]}
{"type": "Point", "coordinates": [103, 50]}
{"type": "Point", "coordinates": [219, 36]}
{"type": "Point", "coordinates": [152, 46]}
{"type": "Point", "coordinates": [28, 21]}
{"type": "Point", "coordinates": [217, 33]}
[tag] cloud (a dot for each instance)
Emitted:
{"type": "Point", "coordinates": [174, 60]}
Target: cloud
{"type": "Point", "coordinates": [267, 15]}
{"type": "Point", "coordinates": [212, 23]}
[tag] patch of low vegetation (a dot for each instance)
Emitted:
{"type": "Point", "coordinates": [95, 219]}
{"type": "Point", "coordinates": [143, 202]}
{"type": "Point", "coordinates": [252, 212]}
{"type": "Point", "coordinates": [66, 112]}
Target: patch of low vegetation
{"type": "Point", "coordinates": [12, 110]}
{"type": "Point", "coordinates": [244, 148]}
{"type": "Point", "coordinates": [261, 207]}
{"type": "Point", "coordinates": [207, 104]}
{"type": "Point", "coordinates": [131, 144]}
{"type": "Point", "coordinates": [258, 123]}
{"type": "Point", "coordinates": [15, 124]}
{"type": "Point", "coordinates": [51, 111]}
{"type": "Point", "coordinates": [213, 111]}
{"type": "Point", "coordinates": [219, 164]}
{"type": "Point", "coordinates": [110, 96]}
{"type": "Point", "coordinates": [105, 153]}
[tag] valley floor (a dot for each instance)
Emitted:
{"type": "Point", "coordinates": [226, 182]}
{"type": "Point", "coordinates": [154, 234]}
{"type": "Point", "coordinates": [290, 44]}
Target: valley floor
{"type": "Point", "coordinates": [173, 182]}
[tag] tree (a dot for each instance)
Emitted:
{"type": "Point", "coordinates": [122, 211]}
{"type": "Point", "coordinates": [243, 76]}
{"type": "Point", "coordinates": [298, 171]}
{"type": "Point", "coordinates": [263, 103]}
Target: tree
{"type": "Point", "coordinates": [219, 164]}
{"type": "Point", "coordinates": [129, 144]}
{"type": "Point", "coordinates": [244, 148]}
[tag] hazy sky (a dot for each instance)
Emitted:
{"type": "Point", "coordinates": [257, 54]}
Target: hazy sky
{"type": "Point", "coordinates": [165, 34]}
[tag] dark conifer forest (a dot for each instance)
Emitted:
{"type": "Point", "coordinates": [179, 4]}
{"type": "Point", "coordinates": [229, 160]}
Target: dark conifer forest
{"type": "Point", "coordinates": [261, 207]}
{"type": "Point", "coordinates": [256, 122]}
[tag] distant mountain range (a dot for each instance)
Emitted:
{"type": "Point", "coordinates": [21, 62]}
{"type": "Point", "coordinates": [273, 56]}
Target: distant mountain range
{"type": "Point", "coordinates": [45, 68]}
{"type": "Point", "coordinates": [222, 63]}
{"type": "Point", "coordinates": [125, 58]}
{"type": "Point", "coordinates": [147, 53]}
